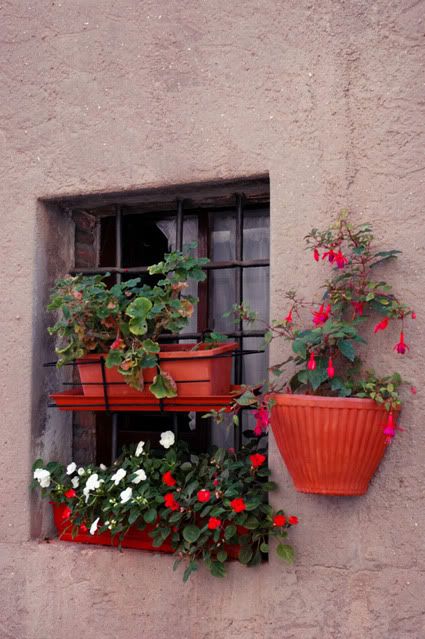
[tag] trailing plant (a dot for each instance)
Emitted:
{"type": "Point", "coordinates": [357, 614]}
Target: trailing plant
{"type": "Point", "coordinates": [199, 503]}
{"type": "Point", "coordinates": [124, 322]}
{"type": "Point", "coordinates": [325, 358]}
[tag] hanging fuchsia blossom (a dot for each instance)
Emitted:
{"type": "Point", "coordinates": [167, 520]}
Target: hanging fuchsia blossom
{"type": "Point", "coordinates": [389, 430]}
{"type": "Point", "coordinates": [288, 318]}
{"type": "Point", "coordinates": [381, 326]}
{"type": "Point", "coordinates": [262, 420]}
{"type": "Point", "coordinates": [330, 255]}
{"type": "Point", "coordinates": [330, 369]}
{"type": "Point", "coordinates": [311, 362]}
{"type": "Point", "coordinates": [340, 259]}
{"type": "Point", "coordinates": [401, 347]}
{"type": "Point", "coordinates": [358, 308]}
{"type": "Point", "coordinates": [322, 315]}
{"type": "Point", "coordinates": [413, 315]}
{"type": "Point", "coordinates": [316, 255]}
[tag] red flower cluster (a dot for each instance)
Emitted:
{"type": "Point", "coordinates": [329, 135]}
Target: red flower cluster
{"type": "Point", "coordinates": [168, 479]}
{"type": "Point", "coordinates": [170, 502]}
{"type": "Point", "coordinates": [322, 315]}
{"type": "Point", "coordinates": [257, 460]}
{"type": "Point", "coordinates": [238, 505]}
{"type": "Point", "coordinates": [203, 495]}
{"type": "Point", "coordinates": [214, 523]}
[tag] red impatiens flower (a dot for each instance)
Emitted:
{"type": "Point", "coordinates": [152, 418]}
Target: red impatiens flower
{"type": "Point", "coordinates": [322, 315]}
{"type": "Point", "coordinates": [330, 255]}
{"type": "Point", "coordinates": [262, 420]}
{"type": "Point", "coordinates": [70, 493]}
{"type": "Point", "coordinates": [311, 365]}
{"type": "Point", "coordinates": [293, 520]}
{"type": "Point", "coordinates": [168, 479]}
{"type": "Point", "coordinates": [279, 520]}
{"type": "Point", "coordinates": [83, 529]}
{"type": "Point", "coordinates": [288, 318]}
{"type": "Point", "coordinates": [238, 505]}
{"type": "Point", "coordinates": [170, 502]}
{"type": "Point", "coordinates": [66, 513]}
{"type": "Point", "coordinates": [214, 523]}
{"type": "Point", "coordinates": [401, 347]}
{"type": "Point", "coordinates": [340, 259]}
{"type": "Point", "coordinates": [330, 369]}
{"type": "Point", "coordinates": [381, 326]}
{"type": "Point", "coordinates": [117, 344]}
{"type": "Point", "coordinates": [203, 495]}
{"type": "Point", "coordinates": [257, 460]}
{"type": "Point", "coordinates": [216, 482]}
{"type": "Point", "coordinates": [358, 308]}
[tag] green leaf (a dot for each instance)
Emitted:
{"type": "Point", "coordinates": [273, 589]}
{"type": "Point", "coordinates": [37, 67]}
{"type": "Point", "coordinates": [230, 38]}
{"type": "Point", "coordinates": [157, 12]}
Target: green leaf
{"type": "Point", "coordinates": [192, 567]}
{"type": "Point", "coordinates": [347, 349]}
{"type": "Point", "coordinates": [264, 547]}
{"type": "Point", "coordinates": [150, 515]}
{"type": "Point", "coordinates": [229, 532]}
{"type": "Point", "coordinates": [222, 555]}
{"type": "Point", "coordinates": [138, 310]}
{"type": "Point", "coordinates": [245, 554]}
{"type": "Point", "coordinates": [163, 386]}
{"type": "Point", "coordinates": [317, 377]}
{"type": "Point", "coordinates": [299, 347]}
{"type": "Point", "coordinates": [191, 533]}
{"type": "Point", "coordinates": [134, 514]}
{"type": "Point", "coordinates": [285, 552]}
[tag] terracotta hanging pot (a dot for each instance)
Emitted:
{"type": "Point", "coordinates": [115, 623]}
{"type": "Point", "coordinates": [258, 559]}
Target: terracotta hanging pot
{"type": "Point", "coordinates": [330, 445]}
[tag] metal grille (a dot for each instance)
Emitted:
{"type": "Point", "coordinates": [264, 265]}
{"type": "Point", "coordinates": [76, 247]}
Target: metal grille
{"type": "Point", "coordinates": [239, 264]}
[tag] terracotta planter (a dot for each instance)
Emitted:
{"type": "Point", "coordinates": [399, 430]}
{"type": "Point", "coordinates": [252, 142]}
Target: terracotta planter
{"type": "Point", "coordinates": [330, 445]}
{"type": "Point", "coordinates": [201, 372]}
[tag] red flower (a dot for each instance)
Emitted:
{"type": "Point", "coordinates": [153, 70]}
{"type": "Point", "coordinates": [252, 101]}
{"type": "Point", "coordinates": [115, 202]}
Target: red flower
{"type": "Point", "coordinates": [66, 513]}
{"type": "Point", "coordinates": [293, 520]}
{"type": "Point", "coordinates": [413, 315]}
{"type": "Point", "coordinates": [311, 362]}
{"type": "Point", "coordinates": [279, 520]}
{"type": "Point", "coordinates": [214, 523]}
{"type": "Point", "coordinates": [168, 479]}
{"type": "Point", "coordinates": [216, 482]}
{"type": "Point", "coordinates": [83, 529]}
{"type": "Point", "coordinates": [340, 259]}
{"type": "Point", "coordinates": [316, 254]}
{"type": "Point", "coordinates": [70, 493]}
{"type": "Point", "coordinates": [203, 495]}
{"type": "Point", "coordinates": [401, 347]}
{"type": "Point", "coordinates": [358, 307]}
{"type": "Point", "coordinates": [322, 315]}
{"type": "Point", "coordinates": [117, 344]}
{"type": "Point", "coordinates": [381, 326]}
{"type": "Point", "coordinates": [330, 255]}
{"type": "Point", "coordinates": [330, 370]}
{"type": "Point", "coordinates": [389, 430]}
{"type": "Point", "coordinates": [257, 460]}
{"type": "Point", "coordinates": [238, 505]}
{"type": "Point", "coordinates": [263, 420]}
{"type": "Point", "coordinates": [170, 502]}
{"type": "Point", "coordinates": [288, 318]}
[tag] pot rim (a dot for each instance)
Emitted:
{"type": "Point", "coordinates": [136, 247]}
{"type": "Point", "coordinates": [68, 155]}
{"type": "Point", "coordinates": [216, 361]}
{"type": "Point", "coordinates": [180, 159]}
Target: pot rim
{"type": "Point", "coordinates": [324, 401]}
{"type": "Point", "coordinates": [176, 351]}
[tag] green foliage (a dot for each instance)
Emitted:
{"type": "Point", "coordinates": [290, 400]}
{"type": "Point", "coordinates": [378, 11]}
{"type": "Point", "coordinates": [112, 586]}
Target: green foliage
{"type": "Point", "coordinates": [226, 476]}
{"type": "Point", "coordinates": [125, 321]}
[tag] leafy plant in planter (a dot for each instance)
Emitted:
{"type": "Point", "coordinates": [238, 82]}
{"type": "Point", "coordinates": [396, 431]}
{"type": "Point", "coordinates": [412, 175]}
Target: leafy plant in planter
{"type": "Point", "coordinates": [331, 417]}
{"type": "Point", "coordinates": [124, 322]}
{"type": "Point", "coordinates": [208, 507]}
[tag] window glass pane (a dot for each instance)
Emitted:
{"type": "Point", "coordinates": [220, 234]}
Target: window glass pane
{"type": "Point", "coordinates": [254, 371]}
{"type": "Point", "coordinates": [256, 295]}
{"type": "Point", "coordinates": [256, 233]}
{"type": "Point", "coordinates": [190, 235]}
{"type": "Point", "coordinates": [222, 236]}
{"type": "Point", "coordinates": [145, 239]}
{"type": "Point", "coordinates": [222, 296]}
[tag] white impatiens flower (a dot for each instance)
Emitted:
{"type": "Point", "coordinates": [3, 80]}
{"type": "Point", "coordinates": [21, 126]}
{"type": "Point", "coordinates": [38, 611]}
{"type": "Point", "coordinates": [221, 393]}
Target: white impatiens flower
{"type": "Point", "coordinates": [75, 481]}
{"type": "Point", "coordinates": [139, 449]}
{"type": "Point", "coordinates": [71, 468]}
{"type": "Point", "coordinates": [118, 476]}
{"type": "Point", "coordinates": [126, 495]}
{"type": "Point", "coordinates": [43, 477]}
{"type": "Point", "coordinates": [94, 525]}
{"type": "Point", "coordinates": [102, 467]}
{"type": "Point", "coordinates": [81, 472]}
{"type": "Point", "coordinates": [93, 482]}
{"type": "Point", "coordinates": [139, 476]}
{"type": "Point", "coordinates": [167, 439]}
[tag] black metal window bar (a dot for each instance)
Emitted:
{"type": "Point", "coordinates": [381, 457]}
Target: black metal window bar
{"type": "Point", "coordinates": [239, 263]}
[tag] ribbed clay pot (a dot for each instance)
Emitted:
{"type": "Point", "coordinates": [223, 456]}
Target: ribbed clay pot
{"type": "Point", "coordinates": [330, 445]}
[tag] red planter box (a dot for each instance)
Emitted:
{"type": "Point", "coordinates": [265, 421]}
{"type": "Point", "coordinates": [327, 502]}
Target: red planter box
{"type": "Point", "coordinates": [134, 538]}
{"type": "Point", "coordinates": [200, 372]}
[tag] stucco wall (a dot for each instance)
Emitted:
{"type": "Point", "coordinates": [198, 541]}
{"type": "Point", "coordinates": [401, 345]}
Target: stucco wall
{"type": "Point", "coordinates": [326, 95]}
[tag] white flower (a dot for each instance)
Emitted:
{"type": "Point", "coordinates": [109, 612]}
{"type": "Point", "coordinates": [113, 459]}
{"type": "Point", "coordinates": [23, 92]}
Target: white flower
{"type": "Point", "coordinates": [102, 467]}
{"type": "Point", "coordinates": [93, 482]}
{"type": "Point", "coordinates": [140, 475]}
{"type": "Point", "coordinates": [139, 449]}
{"type": "Point", "coordinates": [126, 495]}
{"type": "Point", "coordinates": [93, 527]}
{"type": "Point", "coordinates": [120, 474]}
{"type": "Point", "coordinates": [43, 477]}
{"type": "Point", "coordinates": [167, 439]}
{"type": "Point", "coordinates": [81, 472]}
{"type": "Point", "coordinates": [75, 481]}
{"type": "Point", "coordinates": [71, 468]}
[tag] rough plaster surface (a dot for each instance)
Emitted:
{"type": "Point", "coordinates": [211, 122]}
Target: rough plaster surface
{"type": "Point", "coordinates": [328, 96]}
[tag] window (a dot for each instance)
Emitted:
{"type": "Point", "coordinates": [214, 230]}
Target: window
{"type": "Point", "coordinates": [230, 225]}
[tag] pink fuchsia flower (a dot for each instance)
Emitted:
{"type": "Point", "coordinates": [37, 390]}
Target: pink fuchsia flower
{"type": "Point", "coordinates": [340, 259]}
{"type": "Point", "coordinates": [330, 369]}
{"type": "Point", "coordinates": [358, 308]}
{"type": "Point", "coordinates": [262, 420]}
{"type": "Point", "coordinates": [413, 390]}
{"type": "Point", "coordinates": [316, 254]}
{"type": "Point", "coordinates": [389, 430]}
{"type": "Point", "coordinates": [413, 315]}
{"type": "Point", "coordinates": [288, 318]}
{"type": "Point", "coordinates": [330, 255]}
{"type": "Point", "coordinates": [311, 365]}
{"type": "Point", "coordinates": [381, 326]}
{"type": "Point", "coordinates": [401, 347]}
{"type": "Point", "coordinates": [322, 315]}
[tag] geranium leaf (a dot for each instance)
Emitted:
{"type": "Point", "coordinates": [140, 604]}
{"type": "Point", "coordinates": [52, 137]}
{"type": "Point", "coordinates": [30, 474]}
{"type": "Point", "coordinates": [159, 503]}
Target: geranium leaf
{"type": "Point", "coordinates": [163, 386]}
{"type": "Point", "coordinates": [191, 533]}
{"type": "Point", "coordinates": [285, 552]}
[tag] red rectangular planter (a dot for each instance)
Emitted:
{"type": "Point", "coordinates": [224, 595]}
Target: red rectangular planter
{"type": "Point", "coordinates": [200, 372]}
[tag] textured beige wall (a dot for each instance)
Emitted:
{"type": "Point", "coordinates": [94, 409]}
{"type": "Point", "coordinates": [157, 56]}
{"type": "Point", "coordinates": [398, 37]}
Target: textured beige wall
{"type": "Point", "coordinates": [326, 95]}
